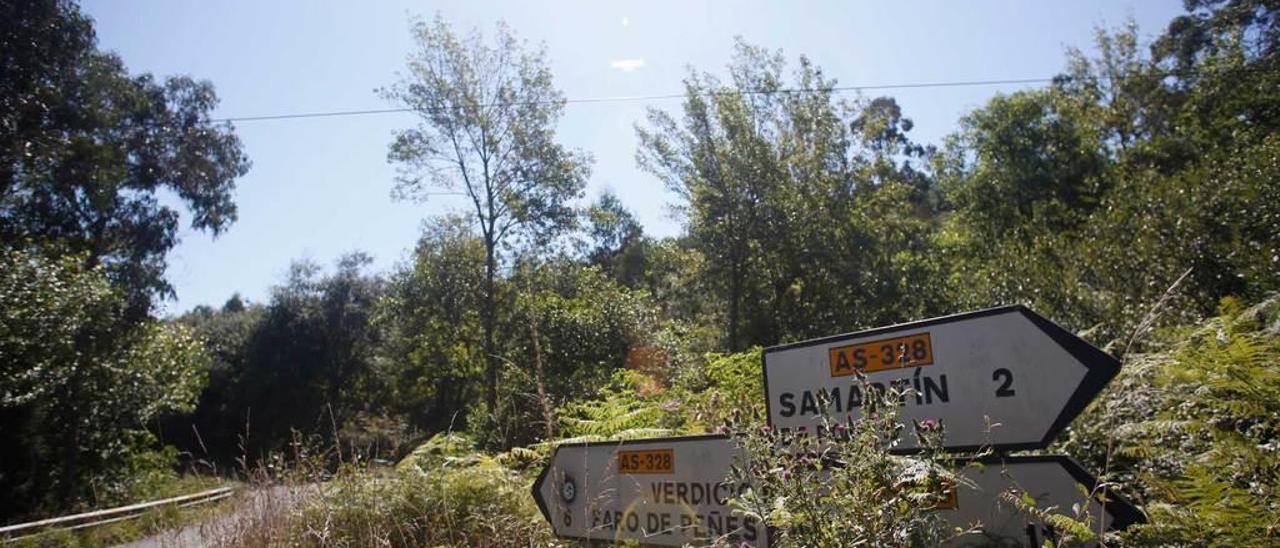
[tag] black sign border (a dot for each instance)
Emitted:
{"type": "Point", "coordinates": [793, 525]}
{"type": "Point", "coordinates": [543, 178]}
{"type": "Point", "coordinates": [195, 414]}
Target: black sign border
{"type": "Point", "coordinates": [1123, 513]}
{"type": "Point", "coordinates": [1100, 369]}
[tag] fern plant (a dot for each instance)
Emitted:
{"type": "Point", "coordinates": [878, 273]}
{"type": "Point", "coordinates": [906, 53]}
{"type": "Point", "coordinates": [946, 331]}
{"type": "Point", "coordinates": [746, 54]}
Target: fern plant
{"type": "Point", "coordinates": [623, 411]}
{"type": "Point", "coordinates": [1196, 426]}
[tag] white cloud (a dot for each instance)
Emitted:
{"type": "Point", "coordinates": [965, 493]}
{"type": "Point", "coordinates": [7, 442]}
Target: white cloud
{"type": "Point", "coordinates": [626, 21]}
{"type": "Point", "coordinates": [627, 65]}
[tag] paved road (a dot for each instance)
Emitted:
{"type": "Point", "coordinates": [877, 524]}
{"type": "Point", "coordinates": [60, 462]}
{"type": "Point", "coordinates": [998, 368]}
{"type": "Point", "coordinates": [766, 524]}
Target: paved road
{"type": "Point", "coordinates": [249, 509]}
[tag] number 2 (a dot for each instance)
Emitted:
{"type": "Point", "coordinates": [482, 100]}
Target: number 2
{"type": "Point", "coordinates": [1006, 388]}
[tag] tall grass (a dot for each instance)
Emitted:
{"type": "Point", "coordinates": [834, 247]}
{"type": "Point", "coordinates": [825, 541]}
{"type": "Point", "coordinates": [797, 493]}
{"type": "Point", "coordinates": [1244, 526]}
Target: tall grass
{"type": "Point", "coordinates": [456, 498]}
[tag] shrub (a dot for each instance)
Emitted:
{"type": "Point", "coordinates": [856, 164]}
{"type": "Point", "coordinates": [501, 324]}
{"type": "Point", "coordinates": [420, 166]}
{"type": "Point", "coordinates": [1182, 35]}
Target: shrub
{"type": "Point", "coordinates": [1195, 427]}
{"type": "Point", "coordinates": [480, 504]}
{"type": "Point", "coordinates": [844, 488]}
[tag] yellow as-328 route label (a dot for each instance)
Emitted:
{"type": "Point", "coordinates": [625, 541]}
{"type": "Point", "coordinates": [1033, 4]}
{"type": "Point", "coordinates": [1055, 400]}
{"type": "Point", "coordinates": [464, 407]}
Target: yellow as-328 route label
{"type": "Point", "coordinates": [868, 357]}
{"type": "Point", "coordinates": [651, 461]}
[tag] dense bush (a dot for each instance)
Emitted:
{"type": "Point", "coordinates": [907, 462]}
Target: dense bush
{"type": "Point", "coordinates": [845, 489]}
{"type": "Point", "coordinates": [1191, 431]}
{"type": "Point", "coordinates": [80, 383]}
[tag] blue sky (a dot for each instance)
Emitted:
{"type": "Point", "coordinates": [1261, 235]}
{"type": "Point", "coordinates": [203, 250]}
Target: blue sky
{"type": "Point", "coordinates": [321, 187]}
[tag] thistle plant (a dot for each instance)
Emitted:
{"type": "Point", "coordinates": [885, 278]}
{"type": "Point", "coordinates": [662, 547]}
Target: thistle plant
{"type": "Point", "coordinates": [841, 485]}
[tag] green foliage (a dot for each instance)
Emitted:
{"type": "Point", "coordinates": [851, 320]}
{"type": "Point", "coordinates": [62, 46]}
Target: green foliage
{"type": "Point", "coordinates": [440, 450]}
{"type": "Point", "coordinates": [587, 327]}
{"type": "Point", "coordinates": [212, 431]}
{"type": "Point", "coordinates": [488, 114]}
{"type": "Point", "coordinates": [1089, 198]}
{"type": "Point", "coordinates": [1029, 161]}
{"type": "Point", "coordinates": [82, 383]}
{"type": "Point", "coordinates": [844, 489]}
{"type": "Point", "coordinates": [621, 412]}
{"type": "Point", "coordinates": [1227, 379]}
{"type": "Point", "coordinates": [478, 505]}
{"type": "Point", "coordinates": [52, 310]}
{"type": "Point", "coordinates": [615, 240]}
{"type": "Point", "coordinates": [704, 395]}
{"type": "Point", "coordinates": [589, 323]}
{"type": "Point", "coordinates": [304, 361]}
{"type": "Point", "coordinates": [87, 149]}
{"type": "Point", "coordinates": [1073, 530]}
{"type": "Point", "coordinates": [805, 207]}
{"type": "Point", "coordinates": [1195, 427]}
{"type": "Point", "coordinates": [712, 391]}
{"type": "Point", "coordinates": [431, 357]}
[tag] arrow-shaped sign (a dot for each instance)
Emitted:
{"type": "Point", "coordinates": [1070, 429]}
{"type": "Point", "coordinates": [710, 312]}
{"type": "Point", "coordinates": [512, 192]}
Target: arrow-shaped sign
{"type": "Point", "coordinates": [673, 492]}
{"type": "Point", "coordinates": [1051, 481]}
{"type": "Point", "coordinates": [1004, 378]}
{"type": "Point", "coordinates": [664, 491]}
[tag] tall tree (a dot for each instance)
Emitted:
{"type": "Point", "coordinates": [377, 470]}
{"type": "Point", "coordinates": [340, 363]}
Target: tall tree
{"type": "Point", "coordinates": [87, 149]}
{"type": "Point", "coordinates": [488, 112]}
{"type": "Point", "coordinates": [719, 160]}
{"type": "Point", "coordinates": [809, 210]}
{"type": "Point", "coordinates": [1089, 198]}
{"type": "Point", "coordinates": [615, 240]}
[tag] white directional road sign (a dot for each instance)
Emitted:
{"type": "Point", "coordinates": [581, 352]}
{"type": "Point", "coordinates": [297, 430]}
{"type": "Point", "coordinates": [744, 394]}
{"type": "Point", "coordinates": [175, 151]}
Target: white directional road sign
{"type": "Point", "coordinates": [672, 492]}
{"type": "Point", "coordinates": [1004, 378]}
{"type": "Point", "coordinates": [1053, 481]}
{"type": "Point", "coordinates": [664, 491]}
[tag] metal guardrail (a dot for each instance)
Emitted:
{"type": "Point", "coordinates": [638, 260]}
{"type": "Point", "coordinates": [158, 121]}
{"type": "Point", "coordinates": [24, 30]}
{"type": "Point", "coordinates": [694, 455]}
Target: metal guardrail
{"type": "Point", "coordinates": [10, 533]}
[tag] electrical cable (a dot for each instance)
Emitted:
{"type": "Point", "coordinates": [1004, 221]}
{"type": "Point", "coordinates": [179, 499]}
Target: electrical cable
{"type": "Point", "coordinates": [634, 98]}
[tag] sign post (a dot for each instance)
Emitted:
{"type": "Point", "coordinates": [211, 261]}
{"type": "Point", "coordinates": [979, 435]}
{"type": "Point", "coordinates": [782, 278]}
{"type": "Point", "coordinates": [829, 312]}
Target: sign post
{"type": "Point", "coordinates": [662, 491]}
{"type": "Point", "coordinates": [1004, 378]}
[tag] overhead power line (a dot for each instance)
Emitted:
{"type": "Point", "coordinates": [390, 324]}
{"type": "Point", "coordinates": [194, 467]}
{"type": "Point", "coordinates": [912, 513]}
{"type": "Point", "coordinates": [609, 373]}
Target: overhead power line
{"type": "Point", "coordinates": [635, 98]}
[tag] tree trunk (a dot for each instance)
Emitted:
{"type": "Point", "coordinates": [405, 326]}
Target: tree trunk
{"type": "Point", "coordinates": [735, 300]}
{"type": "Point", "coordinates": [548, 417]}
{"type": "Point", "coordinates": [490, 303]}
{"type": "Point", "coordinates": [69, 419]}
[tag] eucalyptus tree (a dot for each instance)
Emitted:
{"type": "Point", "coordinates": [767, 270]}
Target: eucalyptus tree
{"type": "Point", "coordinates": [487, 115]}
{"type": "Point", "coordinates": [86, 151]}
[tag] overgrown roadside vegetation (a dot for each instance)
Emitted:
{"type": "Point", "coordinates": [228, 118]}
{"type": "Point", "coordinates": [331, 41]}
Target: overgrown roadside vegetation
{"type": "Point", "coordinates": [536, 317]}
{"type": "Point", "coordinates": [1198, 456]}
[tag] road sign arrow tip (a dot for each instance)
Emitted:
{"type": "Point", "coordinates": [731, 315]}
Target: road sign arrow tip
{"type": "Point", "coordinates": [1100, 368]}
{"type": "Point", "coordinates": [537, 489]}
